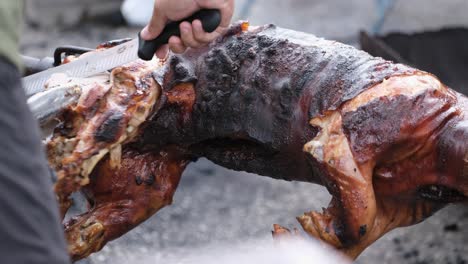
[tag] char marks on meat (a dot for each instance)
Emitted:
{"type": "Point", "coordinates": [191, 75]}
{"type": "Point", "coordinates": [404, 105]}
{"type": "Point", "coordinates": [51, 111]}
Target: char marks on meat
{"type": "Point", "coordinates": [106, 116]}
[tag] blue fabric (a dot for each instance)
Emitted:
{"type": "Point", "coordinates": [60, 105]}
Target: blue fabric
{"type": "Point", "coordinates": [383, 6]}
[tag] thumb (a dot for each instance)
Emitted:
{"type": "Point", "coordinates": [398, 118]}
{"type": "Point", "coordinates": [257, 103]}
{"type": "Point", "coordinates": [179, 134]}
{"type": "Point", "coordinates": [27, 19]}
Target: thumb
{"type": "Point", "coordinates": [155, 26]}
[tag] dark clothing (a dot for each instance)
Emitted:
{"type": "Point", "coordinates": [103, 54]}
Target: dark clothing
{"type": "Point", "coordinates": [30, 230]}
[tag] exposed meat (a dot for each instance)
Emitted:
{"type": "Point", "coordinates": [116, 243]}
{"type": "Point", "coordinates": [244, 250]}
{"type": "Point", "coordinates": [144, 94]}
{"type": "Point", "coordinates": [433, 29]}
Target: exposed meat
{"type": "Point", "coordinates": [388, 141]}
{"type": "Point", "coordinates": [101, 121]}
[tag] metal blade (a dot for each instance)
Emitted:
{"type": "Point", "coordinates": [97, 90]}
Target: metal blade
{"type": "Point", "coordinates": [85, 66]}
{"type": "Point", "coordinates": [46, 105]}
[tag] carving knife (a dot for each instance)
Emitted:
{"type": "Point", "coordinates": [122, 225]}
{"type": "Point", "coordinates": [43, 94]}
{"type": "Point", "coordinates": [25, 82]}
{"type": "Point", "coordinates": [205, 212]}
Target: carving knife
{"type": "Point", "coordinates": [129, 51]}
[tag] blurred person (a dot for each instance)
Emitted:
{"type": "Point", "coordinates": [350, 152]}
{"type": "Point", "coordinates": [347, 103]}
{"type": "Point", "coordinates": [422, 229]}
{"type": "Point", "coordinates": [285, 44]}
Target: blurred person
{"type": "Point", "coordinates": [137, 12]}
{"type": "Point", "coordinates": [30, 229]}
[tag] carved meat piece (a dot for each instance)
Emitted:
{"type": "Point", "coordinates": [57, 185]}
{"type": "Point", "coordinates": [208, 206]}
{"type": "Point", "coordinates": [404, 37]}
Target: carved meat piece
{"type": "Point", "coordinates": [106, 116]}
{"type": "Point", "coordinates": [389, 142]}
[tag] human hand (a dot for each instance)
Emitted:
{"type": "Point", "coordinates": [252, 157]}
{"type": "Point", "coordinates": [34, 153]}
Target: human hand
{"type": "Point", "coordinates": [191, 34]}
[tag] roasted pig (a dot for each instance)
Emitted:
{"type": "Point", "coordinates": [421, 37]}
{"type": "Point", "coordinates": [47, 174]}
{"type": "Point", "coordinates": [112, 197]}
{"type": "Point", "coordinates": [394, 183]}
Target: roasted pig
{"type": "Point", "coordinates": [389, 142]}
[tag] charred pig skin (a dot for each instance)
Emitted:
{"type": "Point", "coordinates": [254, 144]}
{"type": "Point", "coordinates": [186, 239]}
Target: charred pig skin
{"type": "Point", "coordinates": [264, 86]}
{"type": "Point", "coordinates": [389, 142]}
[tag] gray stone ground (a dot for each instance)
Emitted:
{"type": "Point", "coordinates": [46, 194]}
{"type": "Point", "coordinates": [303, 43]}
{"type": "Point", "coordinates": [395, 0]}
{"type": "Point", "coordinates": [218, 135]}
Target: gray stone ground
{"type": "Point", "coordinates": [214, 205]}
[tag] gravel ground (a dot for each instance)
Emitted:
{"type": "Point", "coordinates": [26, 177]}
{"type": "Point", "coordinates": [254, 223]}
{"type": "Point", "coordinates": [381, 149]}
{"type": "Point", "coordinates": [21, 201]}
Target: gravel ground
{"type": "Point", "coordinates": [214, 205]}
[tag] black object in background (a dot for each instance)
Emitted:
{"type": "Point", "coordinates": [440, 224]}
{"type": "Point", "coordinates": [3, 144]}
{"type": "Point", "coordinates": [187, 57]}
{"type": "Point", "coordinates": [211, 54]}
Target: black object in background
{"type": "Point", "coordinates": [443, 53]}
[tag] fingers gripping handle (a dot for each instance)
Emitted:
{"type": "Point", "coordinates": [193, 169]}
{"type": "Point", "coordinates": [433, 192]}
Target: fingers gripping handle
{"type": "Point", "coordinates": [210, 19]}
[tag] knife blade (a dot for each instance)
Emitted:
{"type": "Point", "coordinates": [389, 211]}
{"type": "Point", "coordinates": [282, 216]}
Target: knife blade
{"type": "Point", "coordinates": [132, 50]}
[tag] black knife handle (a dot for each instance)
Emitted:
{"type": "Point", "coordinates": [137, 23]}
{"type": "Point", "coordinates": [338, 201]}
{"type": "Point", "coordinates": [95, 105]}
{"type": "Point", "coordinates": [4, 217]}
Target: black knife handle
{"type": "Point", "coordinates": [210, 19]}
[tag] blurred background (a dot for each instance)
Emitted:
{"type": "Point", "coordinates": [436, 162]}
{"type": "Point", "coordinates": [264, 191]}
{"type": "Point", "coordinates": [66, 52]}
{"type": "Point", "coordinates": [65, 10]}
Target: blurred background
{"type": "Point", "coordinates": [214, 205]}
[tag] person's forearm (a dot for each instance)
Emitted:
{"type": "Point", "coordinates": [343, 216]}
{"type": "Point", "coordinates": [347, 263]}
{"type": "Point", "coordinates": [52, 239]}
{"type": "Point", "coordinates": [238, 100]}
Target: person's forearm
{"type": "Point", "coordinates": [192, 34]}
